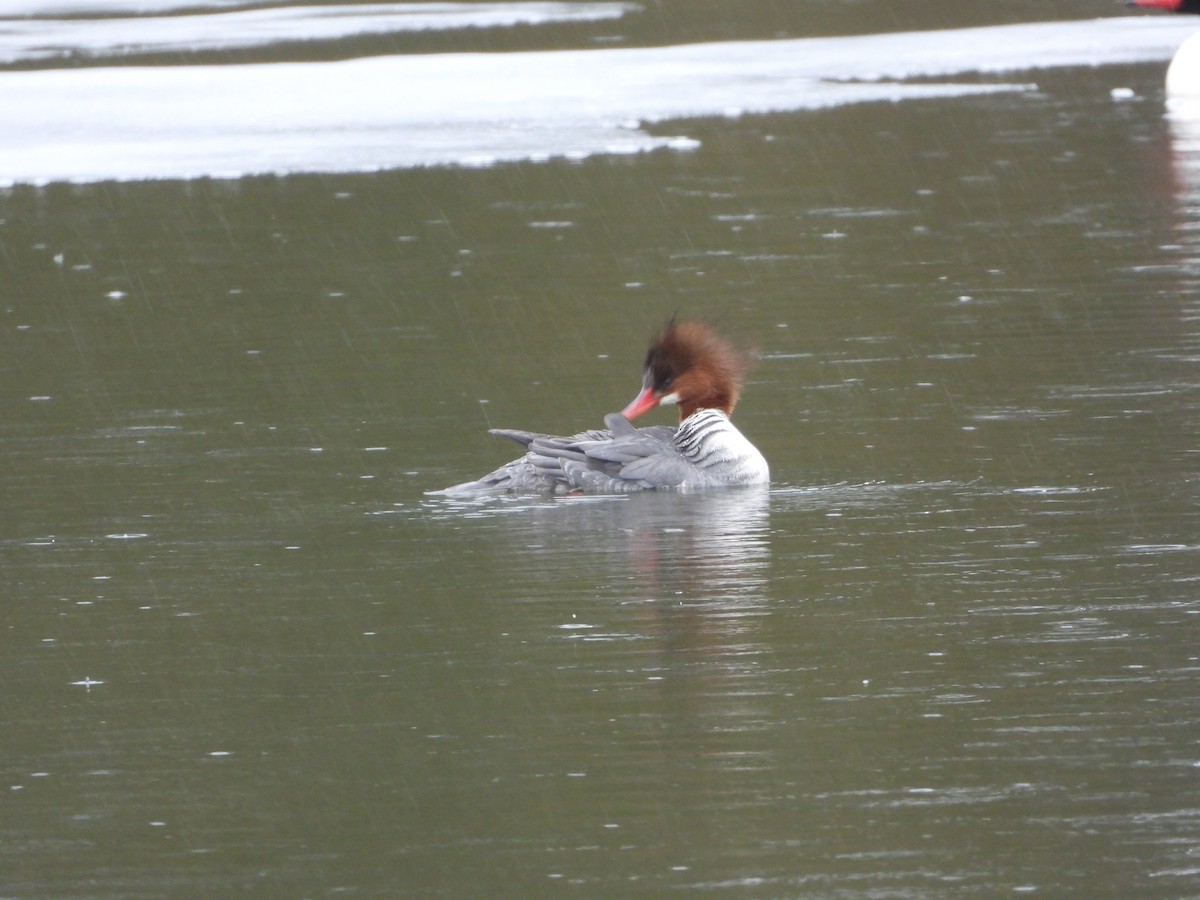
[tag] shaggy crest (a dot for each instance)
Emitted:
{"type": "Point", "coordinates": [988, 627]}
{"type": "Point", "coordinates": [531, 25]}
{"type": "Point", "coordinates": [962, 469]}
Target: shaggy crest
{"type": "Point", "coordinates": [711, 367]}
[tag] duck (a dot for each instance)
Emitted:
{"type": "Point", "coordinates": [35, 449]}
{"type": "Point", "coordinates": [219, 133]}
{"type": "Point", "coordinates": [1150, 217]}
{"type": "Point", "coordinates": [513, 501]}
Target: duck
{"type": "Point", "coordinates": [689, 366]}
{"type": "Point", "coordinates": [1183, 74]}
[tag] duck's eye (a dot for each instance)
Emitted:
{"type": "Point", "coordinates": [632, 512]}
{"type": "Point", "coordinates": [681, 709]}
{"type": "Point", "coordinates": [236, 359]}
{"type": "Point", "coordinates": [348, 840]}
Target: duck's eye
{"type": "Point", "coordinates": [664, 384]}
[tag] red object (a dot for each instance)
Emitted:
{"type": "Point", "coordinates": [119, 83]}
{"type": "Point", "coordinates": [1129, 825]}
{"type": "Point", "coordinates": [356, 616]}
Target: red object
{"type": "Point", "coordinates": [1192, 6]}
{"type": "Point", "coordinates": [643, 402]}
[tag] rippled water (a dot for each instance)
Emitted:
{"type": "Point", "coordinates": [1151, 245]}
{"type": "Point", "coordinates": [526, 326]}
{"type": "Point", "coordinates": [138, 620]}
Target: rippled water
{"type": "Point", "coordinates": [950, 652]}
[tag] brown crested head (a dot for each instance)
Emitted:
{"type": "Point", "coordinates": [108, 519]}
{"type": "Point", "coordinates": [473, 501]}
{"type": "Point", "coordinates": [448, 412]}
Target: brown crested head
{"type": "Point", "coordinates": [690, 364]}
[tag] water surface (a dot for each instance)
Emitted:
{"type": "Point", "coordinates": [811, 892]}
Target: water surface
{"type": "Point", "coordinates": [951, 652]}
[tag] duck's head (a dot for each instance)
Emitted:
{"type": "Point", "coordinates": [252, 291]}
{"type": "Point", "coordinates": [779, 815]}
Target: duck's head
{"type": "Point", "coordinates": [690, 365]}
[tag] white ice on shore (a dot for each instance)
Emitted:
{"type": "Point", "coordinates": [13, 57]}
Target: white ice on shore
{"type": "Point", "coordinates": [386, 112]}
{"type": "Point", "coordinates": [47, 36]}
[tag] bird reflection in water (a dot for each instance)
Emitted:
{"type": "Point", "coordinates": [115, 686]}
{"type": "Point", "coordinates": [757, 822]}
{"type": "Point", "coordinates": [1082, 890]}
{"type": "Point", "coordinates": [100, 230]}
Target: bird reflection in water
{"type": "Point", "coordinates": [705, 550]}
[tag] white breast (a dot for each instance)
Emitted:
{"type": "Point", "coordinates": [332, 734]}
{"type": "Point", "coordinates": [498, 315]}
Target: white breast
{"type": "Point", "coordinates": [721, 453]}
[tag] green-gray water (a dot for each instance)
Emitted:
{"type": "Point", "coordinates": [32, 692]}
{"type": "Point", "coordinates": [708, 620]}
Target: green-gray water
{"type": "Point", "coordinates": [953, 652]}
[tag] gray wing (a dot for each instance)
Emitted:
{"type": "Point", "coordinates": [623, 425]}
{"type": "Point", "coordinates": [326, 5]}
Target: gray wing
{"type": "Point", "coordinates": [621, 459]}
{"type": "Point", "coordinates": [626, 459]}
{"type": "Point", "coordinates": [538, 471]}
{"type": "Point", "coordinates": [525, 438]}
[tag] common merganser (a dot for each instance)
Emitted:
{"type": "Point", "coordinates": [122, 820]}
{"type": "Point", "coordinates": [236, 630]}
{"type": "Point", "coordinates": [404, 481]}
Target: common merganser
{"type": "Point", "coordinates": [1183, 75]}
{"type": "Point", "coordinates": [687, 365]}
